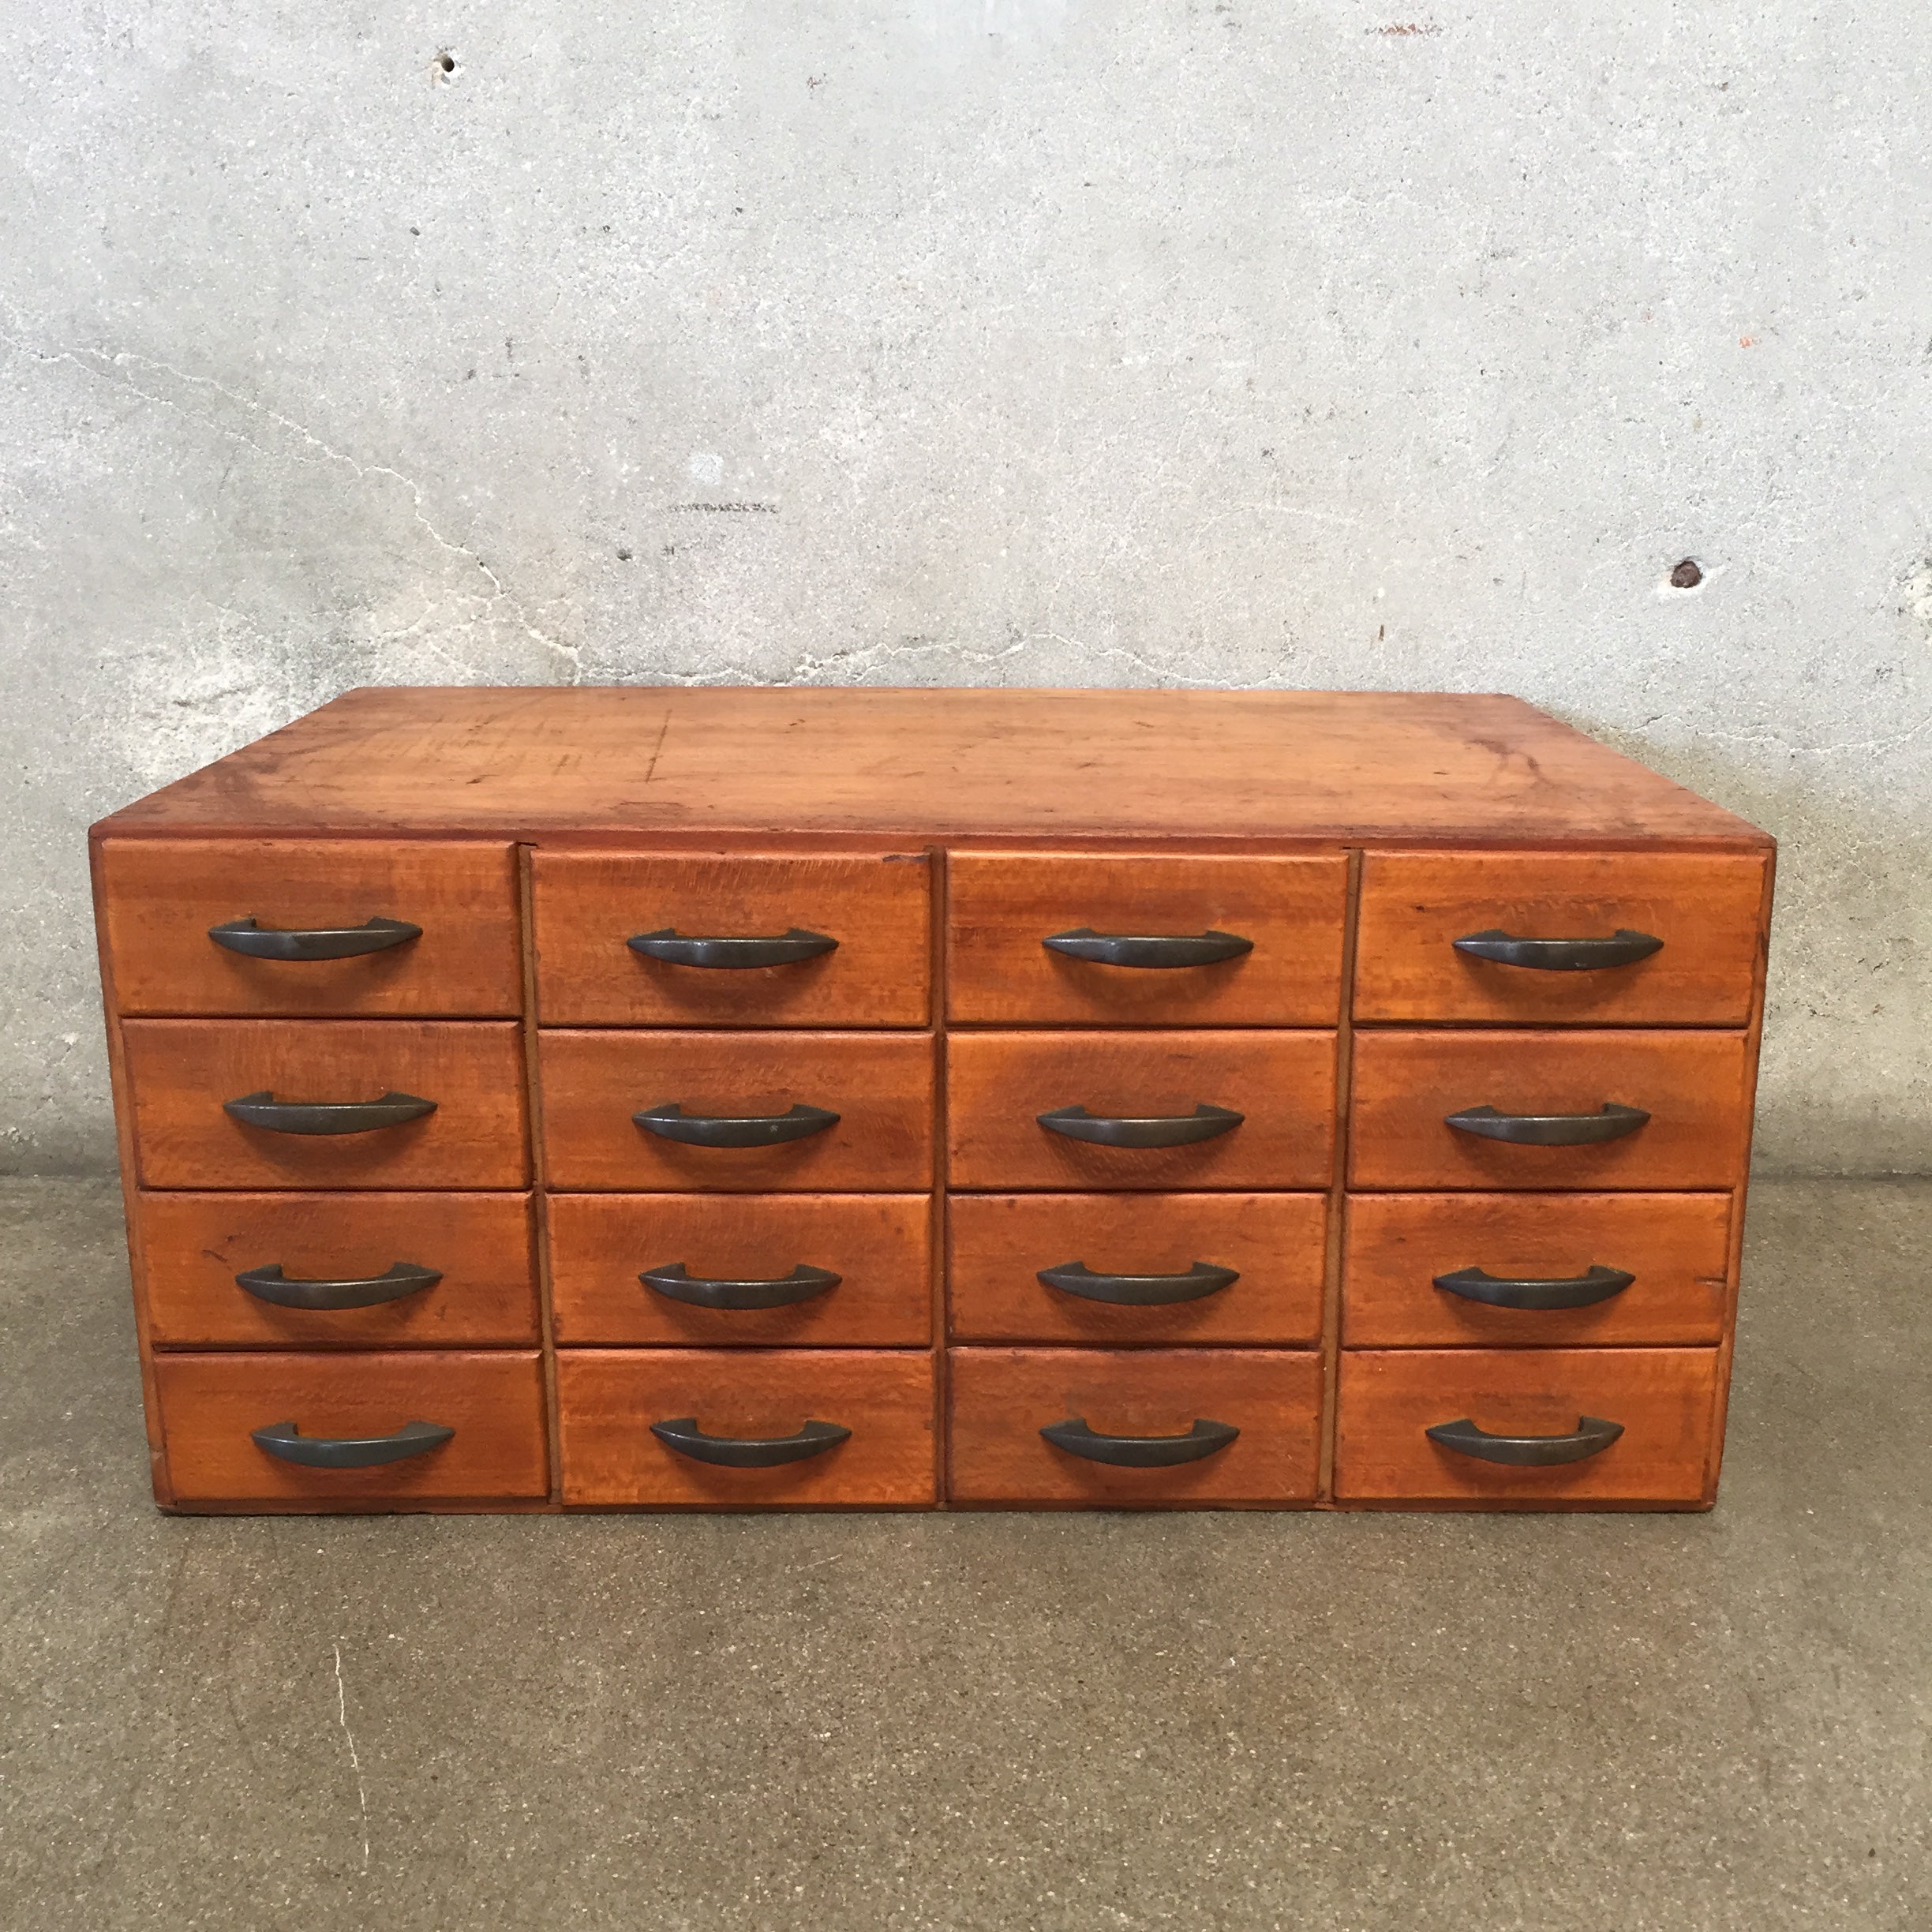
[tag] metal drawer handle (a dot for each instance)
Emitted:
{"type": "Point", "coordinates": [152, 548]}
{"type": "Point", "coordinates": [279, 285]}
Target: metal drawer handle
{"type": "Point", "coordinates": [732, 955]}
{"type": "Point", "coordinates": [326, 1117]}
{"type": "Point", "coordinates": [285, 1442]}
{"type": "Point", "coordinates": [1622, 948]}
{"type": "Point", "coordinates": [1204, 1439]}
{"type": "Point", "coordinates": [270, 1284]}
{"type": "Point", "coordinates": [1593, 1436]}
{"type": "Point", "coordinates": [669, 1121]}
{"type": "Point", "coordinates": [1149, 950]}
{"type": "Point", "coordinates": [1549, 1129]}
{"type": "Point", "coordinates": [1205, 1123]}
{"type": "Point", "coordinates": [747, 1451]}
{"type": "Point", "coordinates": [1594, 1284]}
{"type": "Point", "coordinates": [312, 942]}
{"type": "Point", "coordinates": [676, 1281]}
{"type": "Point", "coordinates": [1075, 1278]}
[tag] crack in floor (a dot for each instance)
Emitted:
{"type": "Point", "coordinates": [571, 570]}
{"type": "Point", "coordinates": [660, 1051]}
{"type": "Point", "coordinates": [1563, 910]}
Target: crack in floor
{"type": "Point", "coordinates": [355, 1761]}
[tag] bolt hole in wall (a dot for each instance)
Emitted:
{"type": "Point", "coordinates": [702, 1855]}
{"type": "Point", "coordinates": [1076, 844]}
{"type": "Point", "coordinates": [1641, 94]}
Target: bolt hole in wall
{"type": "Point", "coordinates": [1686, 575]}
{"type": "Point", "coordinates": [442, 66]}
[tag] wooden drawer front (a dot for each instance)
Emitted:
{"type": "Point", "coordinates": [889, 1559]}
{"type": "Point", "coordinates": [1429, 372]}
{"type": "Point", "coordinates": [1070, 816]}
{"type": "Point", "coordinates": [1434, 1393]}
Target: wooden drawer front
{"type": "Point", "coordinates": [1691, 1084]}
{"type": "Point", "coordinates": [878, 1245]}
{"type": "Point", "coordinates": [1282, 1083]}
{"type": "Point", "coordinates": [607, 1399]}
{"type": "Point", "coordinates": [1274, 1242]}
{"type": "Point", "coordinates": [158, 898]}
{"type": "Point", "coordinates": [1001, 908]}
{"type": "Point", "coordinates": [589, 906]}
{"type": "Point", "coordinates": [180, 1072]}
{"type": "Point", "coordinates": [193, 1246]}
{"type": "Point", "coordinates": [1674, 1244]}
{"type": "Point", "coordinates": [1003, 1397]}
{"type": "Point", "coordinates": [210, 1405]}
{"type": "Point", "coordinates": [1708, 911]}
{"type": "Point", "coordinates": [879, 1084]}
{"type": "Point", "coordinates": [1663, 1397]}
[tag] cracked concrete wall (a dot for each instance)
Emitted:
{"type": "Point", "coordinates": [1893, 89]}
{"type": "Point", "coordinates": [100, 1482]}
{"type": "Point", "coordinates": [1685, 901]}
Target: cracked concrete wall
{"type": "Point", "coordinates": [1228, 342]}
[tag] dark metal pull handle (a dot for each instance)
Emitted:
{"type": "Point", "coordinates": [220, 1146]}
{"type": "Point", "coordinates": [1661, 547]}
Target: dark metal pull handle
{"type": "Point", "coordinates": [747, 1451]}
{"type": "Point", "coordinates": [312, 942]}
{"type": "Point", "coordinates": [1204, 1439]}
{"type": "Point", "coordinates": [1622, 947]}
{"type": "Point", "coordinates": [1075, 1278]}
{"type": "Point", "coordinates": [285, 1441]}
{"type": "Point", "coordinates": [732, 955]}
{"type": "Point", "coordinates": [326, 1117]}
{"type": "Point", "coordinates": [270, 1284]}
{"type": "Point", "coordinates": [1205, 1123]}
{"type": "Point", "coordinates": [1549, 1129]}
{"type": "Point", "coordinates": [675, 1281]}
{"type": "Point", "coordinates": [1150, 949]}
{"type": "Point", "coordinates": [669, 1121]}
{"type": "Point", "coordinates": [1592, 1437]}
{"type": "Point", "coordinates": [1594, 1284]}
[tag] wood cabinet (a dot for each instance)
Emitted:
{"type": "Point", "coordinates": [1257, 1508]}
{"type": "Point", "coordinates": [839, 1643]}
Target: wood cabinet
{"type": "Point", "coordinates": [575, 1099]}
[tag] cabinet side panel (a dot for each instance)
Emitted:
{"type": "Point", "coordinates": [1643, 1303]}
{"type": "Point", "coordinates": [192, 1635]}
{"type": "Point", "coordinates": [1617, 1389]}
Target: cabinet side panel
{"type": "Point", "coordinates": [940, 908]}
{"type": "Point", "coordinates": [1338, 1189]}
{"type": "Point", "coordinates": [540, 1185]}
{"type": "Point", "coordinates": [124, 1142]}
{"type": "Point", "coordinates": [1753, 1044]}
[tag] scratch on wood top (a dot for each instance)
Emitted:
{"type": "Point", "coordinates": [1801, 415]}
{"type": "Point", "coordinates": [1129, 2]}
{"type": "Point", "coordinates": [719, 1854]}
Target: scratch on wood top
{"type": "Point", "coordinates": [664, 732]}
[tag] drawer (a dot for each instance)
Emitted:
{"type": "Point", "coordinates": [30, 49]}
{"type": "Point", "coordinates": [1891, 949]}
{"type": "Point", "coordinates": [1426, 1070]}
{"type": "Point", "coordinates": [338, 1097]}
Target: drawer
{"type": "Point", "coordinates": [589, 906]}
{"type": "Point", "coordinates": [880, 1085]}
{"type": "Point", "coordinates": [158, 898]}
{"type": "Point", "coordinates": [736, 1254]}
{"type": "Point", "coordinates": [1692, 1085]}
{"type": "Point", "coordinates": [1661, 1262]}
{"type": "Point", "coordinates": [1273, 1243]}
{"type": "Point", "coordinates": [1002, 1398]}
{"type": "Point", "coordinates": [212, 1405]}
{"type": "Point", "coordinates": [1708, 911]}
{"type": "Point", "coordinates": [1282, 1084]}
{"type": "Point", "coordinates": [460, 1267]}
{"type": "Point", "coordinates": [735, 1414]}
{"type": "Point", "coordinates": [182, 1071]}
{"type": "Point", "coordinates": [1002, 907]}
{"type": "Point", "coordinates": [1663, 1399]}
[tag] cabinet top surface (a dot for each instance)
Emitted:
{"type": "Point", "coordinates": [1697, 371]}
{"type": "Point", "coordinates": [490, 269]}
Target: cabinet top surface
{"type": "Point", "coordinates": [1051, 765]}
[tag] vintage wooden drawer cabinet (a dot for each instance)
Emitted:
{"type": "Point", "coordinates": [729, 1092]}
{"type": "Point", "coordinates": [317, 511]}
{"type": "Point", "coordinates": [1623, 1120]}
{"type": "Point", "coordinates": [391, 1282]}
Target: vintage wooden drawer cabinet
{"type": "Point", "coordinates": [547, 1099]}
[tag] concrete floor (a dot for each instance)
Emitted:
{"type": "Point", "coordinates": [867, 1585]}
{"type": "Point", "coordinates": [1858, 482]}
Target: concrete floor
{"type": "Point", "coordinates": [1609, 1724]}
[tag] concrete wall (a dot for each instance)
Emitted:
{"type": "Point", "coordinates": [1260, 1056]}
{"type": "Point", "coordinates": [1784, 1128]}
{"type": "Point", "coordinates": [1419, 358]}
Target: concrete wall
{"type": "Point", "coordinates": [1277, 342]}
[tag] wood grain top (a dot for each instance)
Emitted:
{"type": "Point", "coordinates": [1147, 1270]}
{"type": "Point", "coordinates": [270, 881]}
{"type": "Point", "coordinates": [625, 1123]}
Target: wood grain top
{"type": "Point", "coordinates": [640, 764]}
